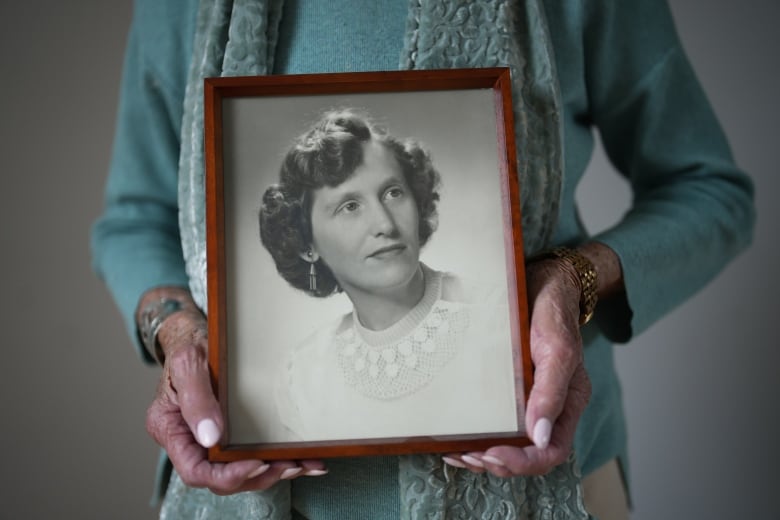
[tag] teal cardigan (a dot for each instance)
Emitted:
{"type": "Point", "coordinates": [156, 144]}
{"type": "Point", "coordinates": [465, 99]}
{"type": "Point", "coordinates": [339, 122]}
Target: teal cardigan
{"type": "Point", "coordinates": [622, 73]}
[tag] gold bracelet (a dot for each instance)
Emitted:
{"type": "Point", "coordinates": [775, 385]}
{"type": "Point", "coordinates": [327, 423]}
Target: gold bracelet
{"type": "Point", "coordinates": [586, 273]}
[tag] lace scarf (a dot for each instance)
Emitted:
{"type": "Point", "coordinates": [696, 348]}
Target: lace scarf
{"type": "Point", "coordinates": [238, 37]}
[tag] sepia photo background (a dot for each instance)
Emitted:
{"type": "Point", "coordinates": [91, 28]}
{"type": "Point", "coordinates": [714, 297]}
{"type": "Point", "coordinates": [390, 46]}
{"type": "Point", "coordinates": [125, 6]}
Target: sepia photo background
{"type": "Point", "coordinates": [701, 387]}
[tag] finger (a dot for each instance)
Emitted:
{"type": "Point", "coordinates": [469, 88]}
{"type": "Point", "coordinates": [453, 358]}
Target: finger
{"type": "Point", "coordinates": [190, 458]}
{"type": "Point", "coordinates": [496, 466]}
{"type": "Point", "coordinates": [231, 477]}
{"type": "Point", "coordinates": [532, 460]}
{"type": "Point", "coordinates": [491, 460]}
{"type": "Point", "coordinates": [453, 459]}
{"type": "Point", "coordinates": [189, 377]}
{"type": "Point", "coordinates": [313, 468]}
{"type": "Point", "coordinates": [529, 460]}
{"type": "Point", "coordinates": [474, 461]}
{"type": "Point", "coordinates": [470, 461]}
{"type": "Point", "coordinates": [277, 471]}
{"type": "Point", "coordinates": [557, 352]}
{"type": "Point", "coordinates": [576, 402]}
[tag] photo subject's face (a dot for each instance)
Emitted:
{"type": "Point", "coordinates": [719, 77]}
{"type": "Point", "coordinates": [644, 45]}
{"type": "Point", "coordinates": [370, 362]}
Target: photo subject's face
{"type": "Point", "coordinates": [366, 228]}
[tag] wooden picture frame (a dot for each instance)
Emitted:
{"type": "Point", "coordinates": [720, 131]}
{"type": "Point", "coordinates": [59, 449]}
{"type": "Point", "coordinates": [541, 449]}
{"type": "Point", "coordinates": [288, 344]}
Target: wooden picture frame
{"type": "Point", "coordinates": [272, 347]}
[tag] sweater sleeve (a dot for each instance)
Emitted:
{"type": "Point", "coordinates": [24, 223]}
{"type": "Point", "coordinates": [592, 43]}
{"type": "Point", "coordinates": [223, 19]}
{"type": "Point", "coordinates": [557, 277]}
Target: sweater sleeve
{"type": "Point", "coordinates": [692, 209]}
{"type": "Point", "coordinates": [135, 242]}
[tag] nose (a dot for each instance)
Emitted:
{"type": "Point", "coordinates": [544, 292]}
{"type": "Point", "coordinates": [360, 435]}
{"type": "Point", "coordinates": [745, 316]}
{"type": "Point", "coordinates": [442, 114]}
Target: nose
{"type": "Point", "coordinates": [382, 221]}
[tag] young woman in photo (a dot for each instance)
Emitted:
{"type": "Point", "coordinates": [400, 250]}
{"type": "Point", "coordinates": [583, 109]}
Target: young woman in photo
{"type": "Point", "coordinates": [351, 212]}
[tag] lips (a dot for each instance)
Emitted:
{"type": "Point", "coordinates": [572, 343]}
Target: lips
{"type": "Point", "coordinates": [387, 250]}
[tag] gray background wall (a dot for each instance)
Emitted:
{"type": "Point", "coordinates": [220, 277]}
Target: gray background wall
{"type": "Point", "coordinates": [700, 386]}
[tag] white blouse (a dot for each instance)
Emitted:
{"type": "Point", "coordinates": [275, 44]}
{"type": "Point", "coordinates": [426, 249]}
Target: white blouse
{"type": "Point", "coordinates": [445, 368]}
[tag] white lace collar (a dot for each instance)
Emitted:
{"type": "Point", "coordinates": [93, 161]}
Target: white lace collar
{"type": "Point", "coordinates": [403, 358]}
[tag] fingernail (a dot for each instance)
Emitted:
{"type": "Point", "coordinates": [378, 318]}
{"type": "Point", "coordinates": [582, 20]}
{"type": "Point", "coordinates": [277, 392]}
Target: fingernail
{"type": "Point", "coordinates": [208, 433]}
{"type": "Point", "coordinates": [259, 471]}
{"type": "Point", "coordinates": [473, 461]}
{"type": "Point", "coordinates": [453, 462]}
{"type": "Point", "coordinates": [542, 432]}
{"type": "Point", "coordinates": [290, 473]}
{"type": "Point", "coordinates": [493, 460]}
{"type": "Point", "coordinates": [316, 472]}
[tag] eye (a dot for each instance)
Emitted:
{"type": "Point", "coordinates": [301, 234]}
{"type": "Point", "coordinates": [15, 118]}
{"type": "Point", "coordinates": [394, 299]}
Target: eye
{"type": "Point", "coordinates": [394, 192]}
{"type": "Point", "coordinates": [349, 206]}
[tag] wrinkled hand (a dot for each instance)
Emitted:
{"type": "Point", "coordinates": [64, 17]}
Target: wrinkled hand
{"type": "Point", "coordinates": [561, 388]}
{"type": "Point", "coordinates": [185, 418]}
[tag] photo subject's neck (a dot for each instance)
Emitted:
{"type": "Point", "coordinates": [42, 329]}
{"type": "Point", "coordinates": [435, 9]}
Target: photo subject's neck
{"type": "Point", "coordinates": [378, 311]}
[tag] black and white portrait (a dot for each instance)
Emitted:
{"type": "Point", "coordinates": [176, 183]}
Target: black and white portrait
{"type": "Point", "coordinates": [366, 256]}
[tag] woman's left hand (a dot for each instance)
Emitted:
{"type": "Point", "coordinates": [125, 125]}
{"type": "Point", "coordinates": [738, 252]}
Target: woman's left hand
{"type": "Point", "coordinates": [561, 388]}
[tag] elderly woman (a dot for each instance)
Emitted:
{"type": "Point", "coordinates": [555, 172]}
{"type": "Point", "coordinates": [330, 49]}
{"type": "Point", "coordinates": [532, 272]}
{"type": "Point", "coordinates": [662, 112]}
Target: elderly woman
{"type": "Point", "coordinates": [616, 68]}
{"type": "Point", "coordinates": [351, 212]}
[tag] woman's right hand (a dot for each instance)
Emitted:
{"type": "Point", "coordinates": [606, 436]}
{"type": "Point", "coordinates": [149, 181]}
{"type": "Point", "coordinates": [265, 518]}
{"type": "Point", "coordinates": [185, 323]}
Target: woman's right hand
{"type": "Point", "coordinates": [185, 417]}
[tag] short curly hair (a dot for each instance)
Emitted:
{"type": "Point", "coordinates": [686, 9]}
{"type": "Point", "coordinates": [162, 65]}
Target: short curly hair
{"type": "Point", "coordinates": [327, 155]}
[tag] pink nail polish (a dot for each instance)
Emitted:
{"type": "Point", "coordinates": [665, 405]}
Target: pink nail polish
{"type": "Point", "coordinates": [493, 460]}
{"type": "Point", "coordinates": [207, 433]}
{"type": "Point", "coordinates": [542, 432]}
{"type": "Point", "coordinates": [472, 461]}
{"type": "Point", "coordinates": [453, 462]}
{"type": "Point", "coordinates": [290, 473]}
{"type": "Point", "coordinates": [259, 471]}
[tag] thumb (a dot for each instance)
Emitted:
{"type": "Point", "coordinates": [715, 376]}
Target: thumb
{"type": "Point", "coordinates": [190, 381]}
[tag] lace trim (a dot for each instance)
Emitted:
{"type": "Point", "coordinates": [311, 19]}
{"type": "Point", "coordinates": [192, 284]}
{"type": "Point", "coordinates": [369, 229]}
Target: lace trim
{"type": "Point", "coordinates": [400, 368]}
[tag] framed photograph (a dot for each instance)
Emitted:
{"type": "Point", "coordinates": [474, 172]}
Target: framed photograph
{"type": "Point", "coordinates": [366, 284]}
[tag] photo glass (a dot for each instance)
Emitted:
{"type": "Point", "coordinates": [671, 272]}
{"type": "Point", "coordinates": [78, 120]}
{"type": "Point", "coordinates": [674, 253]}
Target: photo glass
{"type": "Point", "coordinates": [366, 286]}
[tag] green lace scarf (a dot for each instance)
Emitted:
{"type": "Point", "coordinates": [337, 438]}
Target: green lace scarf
{"type": "Point", "coordinates": [238, 37]}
